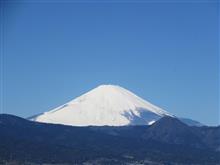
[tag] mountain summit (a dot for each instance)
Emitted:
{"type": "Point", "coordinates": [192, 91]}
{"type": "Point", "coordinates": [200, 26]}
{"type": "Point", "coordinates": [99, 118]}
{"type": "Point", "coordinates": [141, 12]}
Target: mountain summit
{"type": "Point", "coordinates": [105, 105]}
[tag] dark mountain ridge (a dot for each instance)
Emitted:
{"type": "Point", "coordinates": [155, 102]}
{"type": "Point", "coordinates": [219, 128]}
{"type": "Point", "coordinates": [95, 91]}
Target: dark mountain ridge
{"type": "Point", "coordinates": [166, 141]}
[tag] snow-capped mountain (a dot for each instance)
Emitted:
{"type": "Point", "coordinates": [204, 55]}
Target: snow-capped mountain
{"type": "Point", "coordinates": [105, 105]}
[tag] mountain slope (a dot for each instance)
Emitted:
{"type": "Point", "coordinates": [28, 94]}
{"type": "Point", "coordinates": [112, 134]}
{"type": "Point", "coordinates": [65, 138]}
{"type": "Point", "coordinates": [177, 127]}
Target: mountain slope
{"type": "Point", "coordinates": [172, 131]}
{"type": "Point", "coordinates": [105, 105]}
{"type": "Point", "coordinates": [191, 122]}
{"type": "Point", "coordinates": [25, 141]}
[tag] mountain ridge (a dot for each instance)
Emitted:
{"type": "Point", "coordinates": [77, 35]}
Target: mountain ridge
{"type": "Point", "coordinates": [55, 143]}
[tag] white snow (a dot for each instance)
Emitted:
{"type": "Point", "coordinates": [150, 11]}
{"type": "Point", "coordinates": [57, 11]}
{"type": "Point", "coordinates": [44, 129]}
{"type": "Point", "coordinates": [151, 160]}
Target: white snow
{"type": "Point", "coordinates": [105, 105]}
{"type": "Point", "coordinates": [151, 122]}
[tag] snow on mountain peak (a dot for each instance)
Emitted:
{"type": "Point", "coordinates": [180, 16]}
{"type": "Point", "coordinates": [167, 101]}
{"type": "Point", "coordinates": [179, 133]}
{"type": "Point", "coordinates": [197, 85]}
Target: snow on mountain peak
{"type": "Point", "coordinates": [104, 105]}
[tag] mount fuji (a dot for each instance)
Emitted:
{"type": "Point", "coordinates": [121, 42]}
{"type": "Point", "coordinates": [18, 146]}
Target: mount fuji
{"type": "Point", "coordinates": [106, 105]}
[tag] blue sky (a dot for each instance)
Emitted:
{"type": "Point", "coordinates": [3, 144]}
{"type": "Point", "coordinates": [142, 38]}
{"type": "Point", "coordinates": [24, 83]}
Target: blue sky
{"type": "Point", "coordinates": [166, 53]}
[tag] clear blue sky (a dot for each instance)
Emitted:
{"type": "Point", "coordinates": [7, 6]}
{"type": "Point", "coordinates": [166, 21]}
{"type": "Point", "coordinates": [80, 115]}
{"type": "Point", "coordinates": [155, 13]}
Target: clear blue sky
{"type": "Point", "coordinates": [166, 53]}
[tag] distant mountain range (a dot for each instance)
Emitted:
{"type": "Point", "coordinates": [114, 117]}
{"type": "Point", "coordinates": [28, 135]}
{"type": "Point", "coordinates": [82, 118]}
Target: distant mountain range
{"type": "Point", "coordinates": [107, 125]}
{"type": "Point", "coordinates": [107, 105]}
{"type": "Point", "coordinates": [166, 141]}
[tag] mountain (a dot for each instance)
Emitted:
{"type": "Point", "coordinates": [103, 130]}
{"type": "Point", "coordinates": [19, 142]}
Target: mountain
{"type": "Point", "coordinates": [191, 122]}
{"type": "Point", "coordinates": [167, 141]}
{"type": "Point", "coordinates": [172, 131]}
{"type": "Point", "coordinates": [105, 105]}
